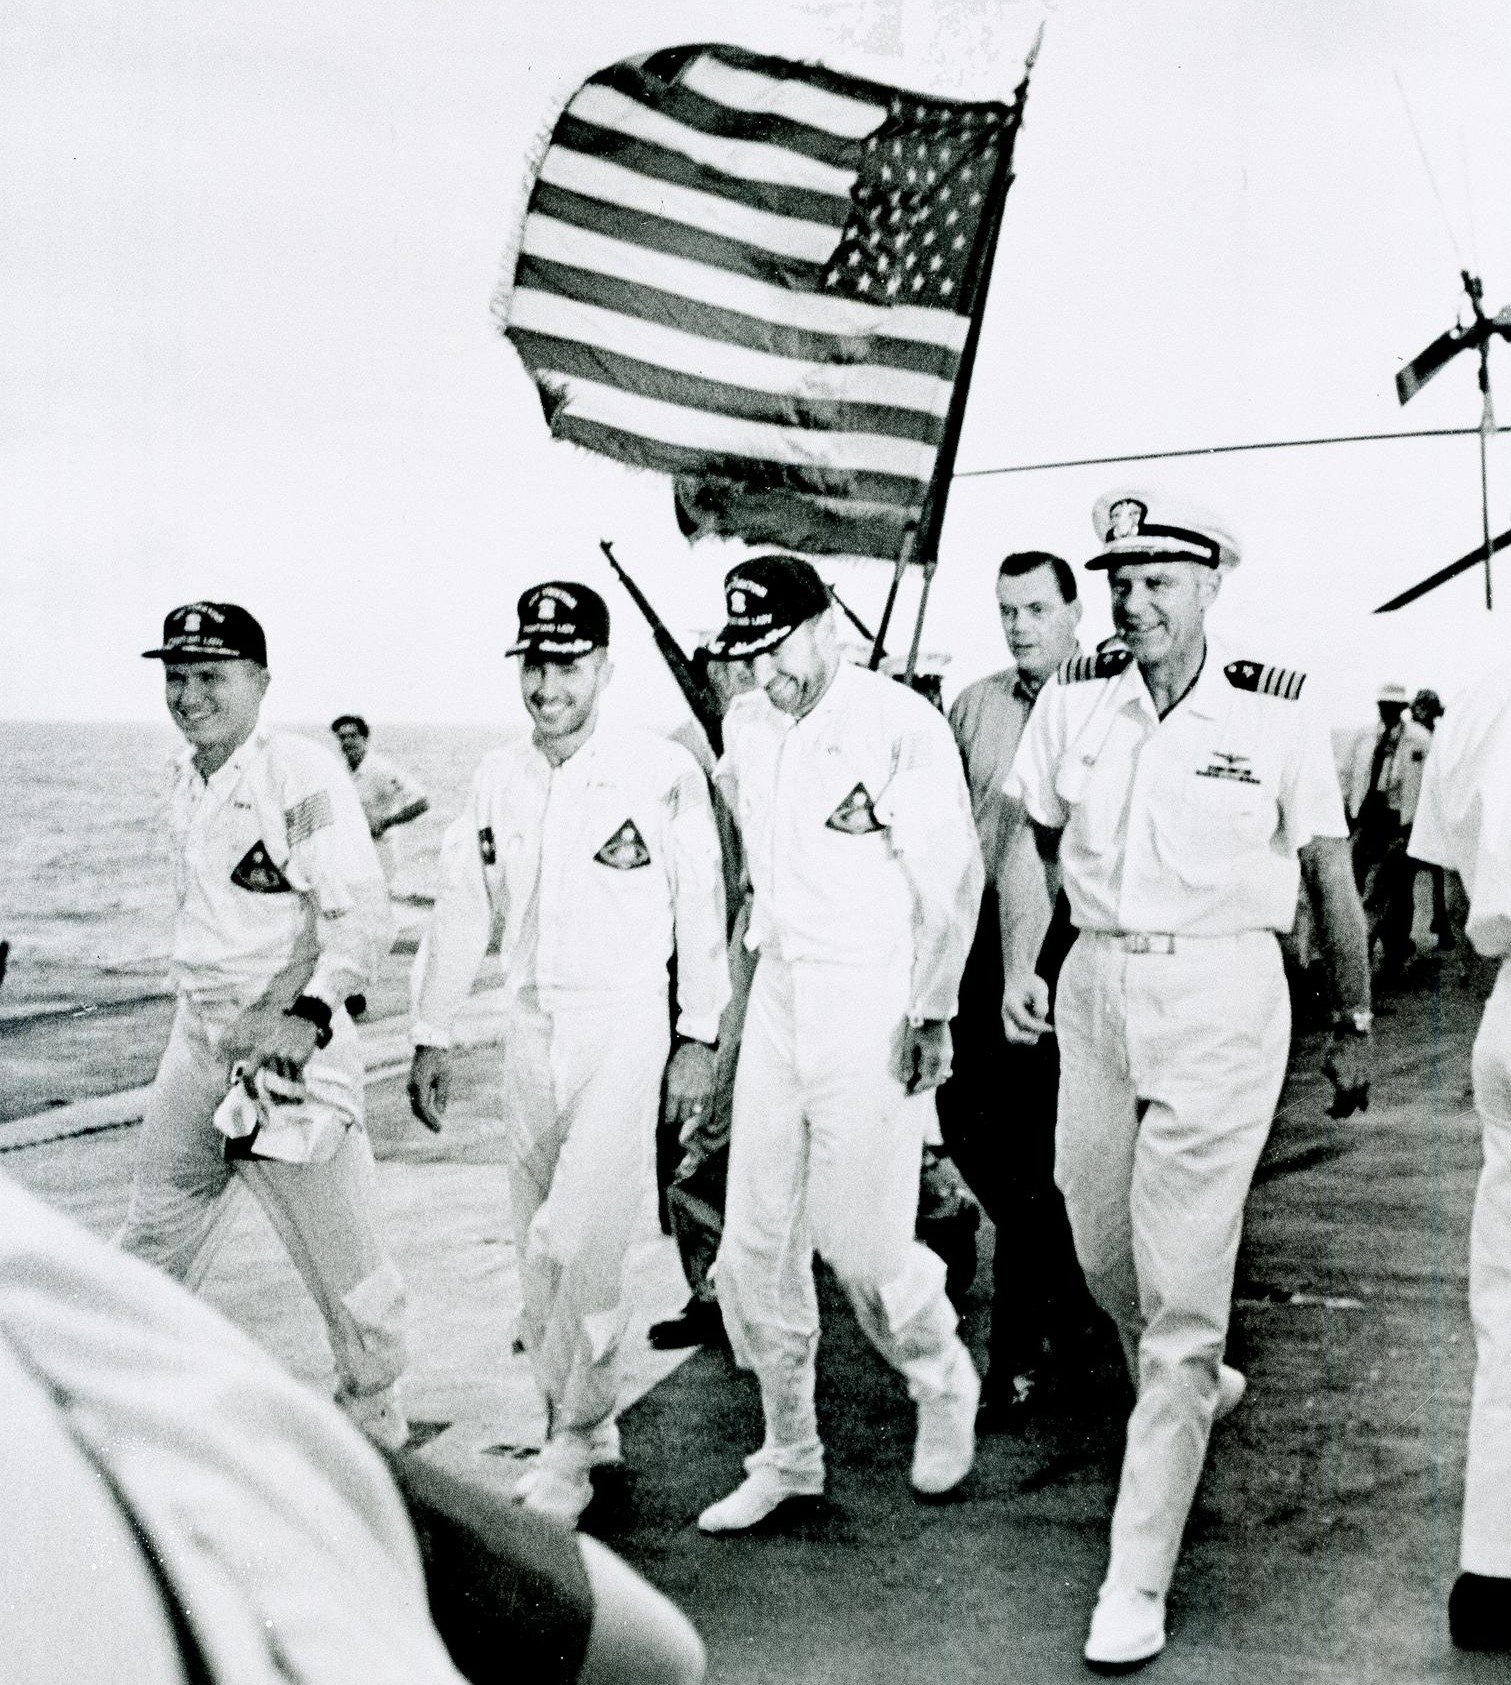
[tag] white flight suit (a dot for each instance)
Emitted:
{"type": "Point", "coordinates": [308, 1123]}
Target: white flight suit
{"type": "Point", "coordinates": [274, 861]}
{"type": "Point", "coordinates": [867, 880]}
{"type": "Point", "coordinates": [1179, 855]}
{"type": "Point", "coordinates": [1464, 823]}
{"type": "Point", "coordinates": [174, 1498]}
{"type": "Point", "coordinates": [599, 869]}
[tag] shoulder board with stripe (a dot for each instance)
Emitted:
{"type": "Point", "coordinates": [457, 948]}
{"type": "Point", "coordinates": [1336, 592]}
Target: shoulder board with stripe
{"type": "Point", "coordinates": [1106, 665]}
{"type": "Point", "coordinates": [1283, 682]}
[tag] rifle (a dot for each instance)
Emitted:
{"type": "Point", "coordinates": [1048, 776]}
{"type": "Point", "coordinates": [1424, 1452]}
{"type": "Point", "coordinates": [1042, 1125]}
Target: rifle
{"type": "Point", "coordinates": [699, 696]}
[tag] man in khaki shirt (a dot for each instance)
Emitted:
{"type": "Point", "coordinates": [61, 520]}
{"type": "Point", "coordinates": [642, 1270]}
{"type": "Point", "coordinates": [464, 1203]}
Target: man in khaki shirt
{"type": "Point", "coordinates": [997, 1113]}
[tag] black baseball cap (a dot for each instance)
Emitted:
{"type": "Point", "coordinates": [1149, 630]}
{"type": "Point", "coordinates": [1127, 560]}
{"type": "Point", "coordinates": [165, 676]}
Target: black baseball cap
{"type": "Point", "coordinates": [560, 620]}
{"type": "Point", "coordinates": [210, 632]}
{"type": "Point", "coordinates": [767, 598]}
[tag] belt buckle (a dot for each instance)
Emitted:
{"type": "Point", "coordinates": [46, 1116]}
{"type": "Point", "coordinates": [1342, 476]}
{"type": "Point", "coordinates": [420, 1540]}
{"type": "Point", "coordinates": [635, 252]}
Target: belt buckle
{"type": "Point", "coordinates": [1146, 942]}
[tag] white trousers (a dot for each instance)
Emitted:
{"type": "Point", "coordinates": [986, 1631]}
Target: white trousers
{"type": "Point", "coordinates": [325, 1214]}
{"type": "Point", "coordinates": [824, 1156]}
{"type": "Point", "coordinates": [1170, 1067]}
{"type": "Point", "coordinates": [1486, 1542]}
{"type": "Point", "coordinates": [581, 1090]}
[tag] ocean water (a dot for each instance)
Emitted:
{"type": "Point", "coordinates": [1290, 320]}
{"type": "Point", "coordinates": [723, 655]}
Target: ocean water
{"type": "Point", "coordinates": [86, 892]}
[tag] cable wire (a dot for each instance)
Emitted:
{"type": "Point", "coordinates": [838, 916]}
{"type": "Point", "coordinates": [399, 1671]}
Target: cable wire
{"type": "Point", "coordinates": [1221, 450]}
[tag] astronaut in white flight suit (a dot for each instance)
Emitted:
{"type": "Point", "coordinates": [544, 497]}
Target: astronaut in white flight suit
{"type": "Point", "coordinates": [597, 846]}
{"type": "Point", "coordinates": [848, 792]}
{"type": "Point", "coordinates": [281, 915]}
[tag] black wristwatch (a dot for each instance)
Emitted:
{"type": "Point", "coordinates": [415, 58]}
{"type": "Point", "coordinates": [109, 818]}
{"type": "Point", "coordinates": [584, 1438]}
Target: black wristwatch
{"type": "Point", "coordinates": [1358, 1021]}
{"type": "Point", "coordinates": [314, 1011]}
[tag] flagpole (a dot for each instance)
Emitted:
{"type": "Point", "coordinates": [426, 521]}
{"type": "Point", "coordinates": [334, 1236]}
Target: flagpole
{"type": "Point", "coordinates": [979, 274]}
{"type": "Point", "coordinates": [904, 556]}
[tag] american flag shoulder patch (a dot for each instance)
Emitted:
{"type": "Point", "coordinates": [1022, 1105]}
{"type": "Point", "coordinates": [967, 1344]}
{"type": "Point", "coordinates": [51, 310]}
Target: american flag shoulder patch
{"type": "Point", "coordinates": [686, 792]}
{"type": "Point", "coordinates": [1283, 682]}
{"type": "Point", "coordinates": [310, 814]}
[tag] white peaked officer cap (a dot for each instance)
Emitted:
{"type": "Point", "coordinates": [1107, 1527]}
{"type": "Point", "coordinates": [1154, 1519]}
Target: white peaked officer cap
{"type": "Point", "coordinates": [1132, 525]}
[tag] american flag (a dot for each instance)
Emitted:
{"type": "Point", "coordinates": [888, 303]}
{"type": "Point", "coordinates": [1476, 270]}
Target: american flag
{"type": "Point", "coordinates": [759, 277]}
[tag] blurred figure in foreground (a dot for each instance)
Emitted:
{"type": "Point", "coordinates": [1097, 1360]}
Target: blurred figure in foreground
{"type": "Point", "coordinates": [1464, 825]}
{"type": "Point", "coordinates": [178, 1509]}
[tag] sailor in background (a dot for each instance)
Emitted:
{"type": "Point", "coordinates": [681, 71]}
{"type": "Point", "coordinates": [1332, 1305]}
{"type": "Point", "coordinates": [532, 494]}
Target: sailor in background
{"type": "Point", "coordinates": [1463, 824]}
{"type": "Point", "coordinates": [1175, 788]}
{"type": "Point", "coordinates": [867, 880]}
{"type": "Point", "coordinates": [598, 850]}
{"type": "Point", "coordinates": [389, 795]}
{"type": "Point", "coordinates": [1384, 778]}
{"type": "Point", "coordinates": [281, 916]}
{"type": "Point", "coordinates": [997, 1111]}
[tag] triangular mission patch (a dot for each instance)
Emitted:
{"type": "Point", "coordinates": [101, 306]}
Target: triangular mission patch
{"type": "Point", "coordinates": [625, 850]}
{"type": "Point", "coordinates": [256, 871]}
{"type": "Point", "coordinates": [855, 815]}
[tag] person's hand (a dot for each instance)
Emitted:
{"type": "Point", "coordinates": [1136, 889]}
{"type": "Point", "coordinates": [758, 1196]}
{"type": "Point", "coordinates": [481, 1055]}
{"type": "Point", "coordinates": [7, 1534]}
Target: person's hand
{"type": "Point", "coordinates": [1348, 1066]}
{"type": "Point", "coordinates": [266, 1037]}
{"type": "Point", "coordinates": [926, 1053]}
{"type": "Point", "coordinates": [430, 1085]}
{"type": "Point", "coordinates": [690, 1086]}
{"type": "Point", "coordinates": [1025, 1008]}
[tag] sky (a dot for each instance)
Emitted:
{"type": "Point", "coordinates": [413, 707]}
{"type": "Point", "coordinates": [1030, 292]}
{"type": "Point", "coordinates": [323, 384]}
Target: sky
{"type": "Point", "coordinates": [246, 349]}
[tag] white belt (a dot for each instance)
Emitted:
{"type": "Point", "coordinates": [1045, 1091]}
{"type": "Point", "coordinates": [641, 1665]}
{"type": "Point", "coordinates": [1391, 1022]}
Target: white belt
{"type": "Point", "coordinates": [1162, 941]}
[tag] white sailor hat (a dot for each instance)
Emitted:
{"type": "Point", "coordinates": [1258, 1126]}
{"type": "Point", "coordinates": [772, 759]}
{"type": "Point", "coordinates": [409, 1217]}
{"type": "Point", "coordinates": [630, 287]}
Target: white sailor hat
{"type": "Point", "coordinates": [1133, 525]}
{"type": "Point", "coordinates": [1393, 693]}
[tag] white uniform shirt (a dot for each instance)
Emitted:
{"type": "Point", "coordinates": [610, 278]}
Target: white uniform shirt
{"type": "Point", "coordinates": [1188, 825]}
{"type": "Point", "coordinates": [384, 788]}
{"type": "Point", "coordinates": [1464, 816]}
{"type": "Point", "coordinates": [272, 852]}
{"type": "Point", "coordinates": [597, 869]}
{"type": "Point", "coordinates": [858, 832]}
{"type": "Point", "coordinates": [276, 1525]}
{"type": "Point", "coordinates": [1401, 773]}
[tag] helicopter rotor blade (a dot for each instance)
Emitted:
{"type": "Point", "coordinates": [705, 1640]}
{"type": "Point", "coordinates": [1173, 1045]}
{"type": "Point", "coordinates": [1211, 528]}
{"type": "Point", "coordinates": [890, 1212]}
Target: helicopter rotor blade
{"type": "Point", "coordinates": [1474, 559]}
{"type": "Point", "coordinates": [1411, 379]}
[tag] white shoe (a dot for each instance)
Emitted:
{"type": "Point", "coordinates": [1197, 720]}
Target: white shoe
{"type": "Point", "coordinates": [945, 1446]}
{"type": "Point", "coordinates": [757, 1495]}
{"type": "Point", "coordinates": [1127, 1626]}
{"type": "Point", "coordinates": [604, 1450]}
{"type": "Point", "coordinates": [378, 1415]}
{"type": "Point", "coordinates": [557, 1483]}
{"type": "Point", "coordinates": [559, 1493]}
{"type": "Point", "coordinates": [1232, 1384]}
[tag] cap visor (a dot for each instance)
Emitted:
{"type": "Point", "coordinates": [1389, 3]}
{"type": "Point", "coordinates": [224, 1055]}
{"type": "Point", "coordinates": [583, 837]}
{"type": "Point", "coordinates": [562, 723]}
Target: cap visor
{"type": "Point", "coordinates": [551, 649]}
{"type": "Point", "coordinates": [736, 643]}
{"type": "Point", "coordinates": [1150, 551]}
{"type": "Point", "coordinates": [187, 652]}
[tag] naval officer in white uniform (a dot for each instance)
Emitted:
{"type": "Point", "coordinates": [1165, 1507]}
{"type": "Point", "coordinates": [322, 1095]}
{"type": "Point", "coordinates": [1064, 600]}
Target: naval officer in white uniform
{"type": "Point", "coordinates": [597, 849]}
{"type": "Point", "coordinates": [862, 853]}
{"type": "Point", "coordinates": [1463, 822]}
{"type": "Point", "coordinates": [1175, 785]}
